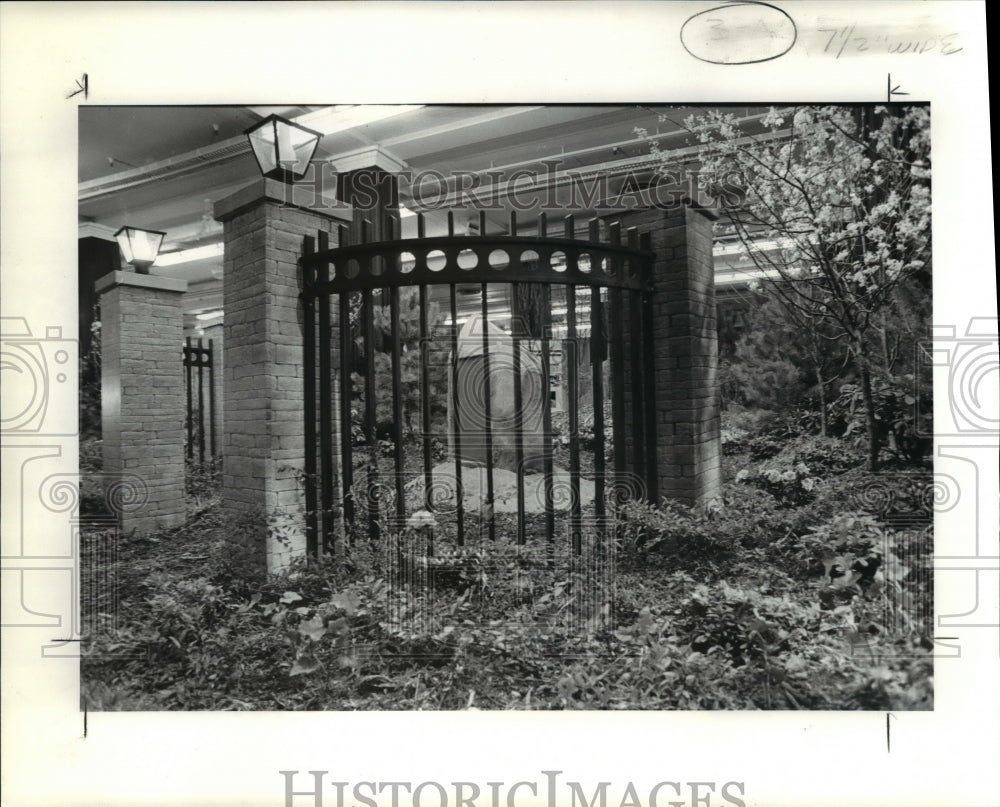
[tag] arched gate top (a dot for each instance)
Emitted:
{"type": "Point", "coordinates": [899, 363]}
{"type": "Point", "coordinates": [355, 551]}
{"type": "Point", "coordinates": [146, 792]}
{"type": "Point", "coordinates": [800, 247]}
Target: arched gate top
{"type": "Point", "coordinates": [476, 259]}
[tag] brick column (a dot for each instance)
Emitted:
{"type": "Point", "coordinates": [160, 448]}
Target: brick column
{"type": "Point", "coordinates": [263, 398]}
{"type": "Point", "coordinates": [686, 351]}
{"type": "Point", "coordinates": [142, 398]}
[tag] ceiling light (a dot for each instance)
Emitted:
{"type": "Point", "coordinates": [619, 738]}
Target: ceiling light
{"type": "Point", "coordinates": [188, 255]}
{"type": "Point", "coordinates": [344, 116]}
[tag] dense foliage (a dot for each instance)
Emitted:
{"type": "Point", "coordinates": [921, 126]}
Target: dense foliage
{"type": "Point", "coordinates": [413, 349]}
{"type": "Point", "coordinates": [806, 587]}
{"type": "Point", "coordinates": [833, 215]}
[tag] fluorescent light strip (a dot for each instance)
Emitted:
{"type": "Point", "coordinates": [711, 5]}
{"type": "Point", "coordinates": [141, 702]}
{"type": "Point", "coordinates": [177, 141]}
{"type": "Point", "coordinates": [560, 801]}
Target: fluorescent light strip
{"type": "Point", "coordinates": [343, 117]}
{"type": "Point", "coordinates": [189, 255]}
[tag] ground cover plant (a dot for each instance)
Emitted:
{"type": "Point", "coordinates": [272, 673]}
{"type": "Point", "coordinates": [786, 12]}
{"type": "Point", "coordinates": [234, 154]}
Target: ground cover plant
{"type": "Point", "coordinates": [805, 586]}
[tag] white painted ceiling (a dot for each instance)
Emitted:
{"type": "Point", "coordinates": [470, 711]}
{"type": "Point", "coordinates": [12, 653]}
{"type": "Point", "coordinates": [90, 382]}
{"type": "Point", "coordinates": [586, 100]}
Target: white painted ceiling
{"type": "Point", "coordinates": [165, 167]}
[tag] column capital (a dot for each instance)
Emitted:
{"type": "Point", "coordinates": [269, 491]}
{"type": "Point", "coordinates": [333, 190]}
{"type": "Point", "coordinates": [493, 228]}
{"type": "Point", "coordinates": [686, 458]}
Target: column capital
{"type": "Point", "coordinates": [305, 195]}
{"type": "Point", "coordinates": [373, 158]}
{"type": "Point", "coordinates": [134, 279]}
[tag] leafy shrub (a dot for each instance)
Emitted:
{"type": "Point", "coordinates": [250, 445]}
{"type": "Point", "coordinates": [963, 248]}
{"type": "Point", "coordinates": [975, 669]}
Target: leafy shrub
{"type": "Point", "coordinates": [585, 428]}
{"type": "Point", "coordinates": [90, 383]}
{"type": "Point", "coordinates": [733, 440]}
{"type": "Point", "coordinates": [764, 447]}
{"type": "Point", "coordinates": [901, 425]}
{"type": "Point", "coordinates": [791, 485]}
{"type": "Point", "coordinates": [755, 518]}
{"type": "Point", "coordinates": [185, 612]}
{"type": "Point", "coordinates": [653, 532]}
{"type": "Point", "coordinates": [745, 624]}
{"type": "Point", "coordinates": [91, 456]}
{"type": "Point", "coordinates": [826, 455]}
{"type": "Point", "coordinates": [848, 547]}
{"type": "Point", "coordinates": [753, 601]}
{"type": "Point", "coordinates": [91, 482]}
{"type": "Point", "coordinates": [202, 479]}
{"type": "Point", "coordinates": [896, 499]}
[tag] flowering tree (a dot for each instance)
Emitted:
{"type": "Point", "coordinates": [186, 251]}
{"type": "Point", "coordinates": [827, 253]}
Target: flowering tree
{"type": "Point", "coordinates": [834, 215]}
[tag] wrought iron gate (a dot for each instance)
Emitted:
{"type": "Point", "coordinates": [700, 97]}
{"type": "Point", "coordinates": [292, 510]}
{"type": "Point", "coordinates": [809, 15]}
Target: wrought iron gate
{"type": "Point", "coordinates": [351, 302]}
{"type": "Point", "coordinates": [199, 357]}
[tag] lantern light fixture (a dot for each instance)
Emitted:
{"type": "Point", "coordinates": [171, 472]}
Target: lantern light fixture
{"type": "Point", "coordinates": [139, 247]}
{"type": "Point", "coordinates": [283, 149]}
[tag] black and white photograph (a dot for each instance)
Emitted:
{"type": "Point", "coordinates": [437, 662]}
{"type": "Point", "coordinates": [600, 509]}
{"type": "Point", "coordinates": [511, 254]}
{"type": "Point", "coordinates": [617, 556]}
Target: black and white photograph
{"type": "Point", "coordinates": [516, 404]}
{"type": "Point", "coordinates": [506, 407]}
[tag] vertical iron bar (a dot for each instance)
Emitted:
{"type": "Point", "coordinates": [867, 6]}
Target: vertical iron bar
{"type": "Point", "coordinates": [201, 403]}
{"type": "Point", "coordinates": [456, 421]}
{"type": "Point", "coordinates": [636, 415]}
{"type": "Point", "coordinates": [637, 373]}
{"type": "Point", "coordinates": [325, 545]}
{"type": "Point", "coordinates": [550, 524]}
{"type": "Point", "coordinates": [516, 324]}
{"type": "Point", "coordinates": [211, 395]}
{"type": "Point", "coordinates": [425, 383]}
{"type": "Point", "coordinates": [598, 353]}
{"type": "Point", "coordinates": [652, 472]}
{"type": "Point", "coordinates": [346, 395]}
{"type": "Point", "coordinates": [570, 356]}
{"type": "Point", "coordinates": [371, 412]}
{"type": "Point", "coordinates": [308, 298]}
{"type": "Point", "coordinates": [425, 396]}
{"type": "Point", "coordinates": [187, 376]}
{"type": "Point", "coordinates": [515, 314]}
{"type": "Point", "coordinates": [615, 319]}
{"type": "Point", "coordinates": [487, 506]}
{"type": "Point", "coordinates": [346, 424]}
{"type": "Point", "coordinates": [397, 403]}
{"type": "Point", "coordinates": [546, 323]}
{"type": "Point", "coordinates": [570, 362]}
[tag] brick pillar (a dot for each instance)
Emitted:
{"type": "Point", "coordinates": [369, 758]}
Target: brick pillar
{"type": "Point", "coordinates": [686, 351]}
{"type": "Point", "coordinates": [263, 399]}
{"type": "Point", "coordinates": [142, 398]}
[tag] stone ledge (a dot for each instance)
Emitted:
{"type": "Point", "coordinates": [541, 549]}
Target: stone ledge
{"type": "Point", "coordinates": [270, 190]}
{"type": "Point", "coordinates": [134, 279]}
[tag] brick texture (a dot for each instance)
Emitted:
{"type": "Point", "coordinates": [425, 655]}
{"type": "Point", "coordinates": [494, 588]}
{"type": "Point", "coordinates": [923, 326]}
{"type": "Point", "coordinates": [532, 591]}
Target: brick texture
{"type": "Point", "coordinates": [684, 376]}
{"type": "Point", "coordinates": [143, 405]}
{"type": "Point", "coordinates": [263, 398]}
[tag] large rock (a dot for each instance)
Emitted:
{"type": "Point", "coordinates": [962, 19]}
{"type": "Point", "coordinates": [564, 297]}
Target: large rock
{"type": "Point", "coordinates": [469, 417]}
{"type": "Point", "coordinates": [444, 487]}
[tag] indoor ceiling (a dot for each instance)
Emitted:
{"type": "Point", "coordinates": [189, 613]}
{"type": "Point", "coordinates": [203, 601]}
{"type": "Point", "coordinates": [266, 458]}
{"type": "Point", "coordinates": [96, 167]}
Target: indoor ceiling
{"type": "Point", "coordinates": [164, 168]}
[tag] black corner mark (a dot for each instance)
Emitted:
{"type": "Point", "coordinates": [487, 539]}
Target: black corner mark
{"type": "Point", "coordinates": [888, 744]}
{"type": "Point", "coordinates": [82, 86]}
{"type": "Point", "coordinates": [890, 90]}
